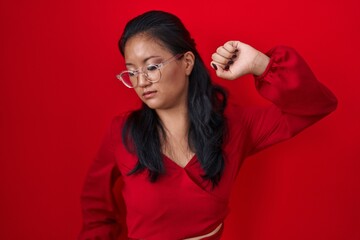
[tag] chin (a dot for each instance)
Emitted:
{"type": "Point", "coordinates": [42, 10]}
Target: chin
{"type": "Point", "coordinates": [152, 105]}
{"type": "Point", "coordinates": [156, 106]}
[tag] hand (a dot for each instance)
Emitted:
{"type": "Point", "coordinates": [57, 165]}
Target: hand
{"type": "Point", "coordinates": [235, 59]}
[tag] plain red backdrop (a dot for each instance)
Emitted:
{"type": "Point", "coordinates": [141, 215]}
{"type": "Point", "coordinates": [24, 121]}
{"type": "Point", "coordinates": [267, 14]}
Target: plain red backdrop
{"type": "Point", "coordinates": [58, 93]}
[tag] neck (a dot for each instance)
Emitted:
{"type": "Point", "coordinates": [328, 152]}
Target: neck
{"type": "Point", "coordinates": [176, 125]}
{"type": "Point", "coordinates": [176, 121]}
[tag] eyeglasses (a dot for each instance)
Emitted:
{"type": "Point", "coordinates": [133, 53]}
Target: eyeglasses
{"type": "Point", "coordinates": [151, 73]}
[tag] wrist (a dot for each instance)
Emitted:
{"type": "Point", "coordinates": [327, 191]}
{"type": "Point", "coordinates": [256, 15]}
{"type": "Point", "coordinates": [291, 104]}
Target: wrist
{"type": "Point", "coordinates": [260, 63]}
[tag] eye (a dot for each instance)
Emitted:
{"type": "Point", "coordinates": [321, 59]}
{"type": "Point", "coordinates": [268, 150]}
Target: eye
{"type": "Point", "coordinates": [132, 73]}
{"type": "Point", "coordinates": [152, 67]}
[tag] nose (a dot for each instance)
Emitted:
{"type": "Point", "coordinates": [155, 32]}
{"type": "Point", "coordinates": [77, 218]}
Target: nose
{"type": "Point", "coordinates": [142, 80]}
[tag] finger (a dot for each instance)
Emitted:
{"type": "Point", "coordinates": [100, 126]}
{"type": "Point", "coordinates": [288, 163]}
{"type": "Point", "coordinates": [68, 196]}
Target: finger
{"type": "Point", "coordinates": [236, 47]}
{"type": "Point", "coordinates": [215, 65]}
{"type": "Point", "coordinates": [233, 46]}
{"type": "Point", "coordinates": [218, 66]}
{"type": "Point", "coordinates": [222, 72]}
{"type": "Point", "coordinates": [222, 51]}
{"type": "Point", "coordinates": [220, 59]}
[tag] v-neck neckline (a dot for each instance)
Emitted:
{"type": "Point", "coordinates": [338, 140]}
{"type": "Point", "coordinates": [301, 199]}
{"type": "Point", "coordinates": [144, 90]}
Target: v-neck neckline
{"type": "Point", "coordinates": [190, 162]}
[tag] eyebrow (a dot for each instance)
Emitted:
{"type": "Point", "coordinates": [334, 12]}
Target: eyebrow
{"type": "Point", "coordinates": [144, 61]}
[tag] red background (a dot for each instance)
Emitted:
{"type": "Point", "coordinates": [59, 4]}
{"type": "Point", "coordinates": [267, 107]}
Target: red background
{"type": "Point", "coordinates": [58, 93]}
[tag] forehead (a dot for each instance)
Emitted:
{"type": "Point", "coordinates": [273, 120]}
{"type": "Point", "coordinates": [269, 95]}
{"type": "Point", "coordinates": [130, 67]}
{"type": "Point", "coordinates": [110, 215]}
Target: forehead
{"type": "Point", "coordinates": [142, 46]}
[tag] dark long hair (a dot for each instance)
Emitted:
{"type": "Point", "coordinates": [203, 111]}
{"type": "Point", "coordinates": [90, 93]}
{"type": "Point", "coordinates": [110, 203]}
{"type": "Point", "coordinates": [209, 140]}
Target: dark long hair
{"type": "Point", "coordinates": [143, 129]}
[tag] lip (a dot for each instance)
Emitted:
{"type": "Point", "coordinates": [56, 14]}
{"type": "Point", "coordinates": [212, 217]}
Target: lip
{"type": "Point", "coordinates": [149, 94]}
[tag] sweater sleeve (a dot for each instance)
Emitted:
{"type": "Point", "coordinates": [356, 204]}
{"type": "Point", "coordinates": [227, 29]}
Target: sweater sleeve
{"type": "Point", "coordinates": [100, 214]}
{"type": "Point", "coordinates": [299, 100]}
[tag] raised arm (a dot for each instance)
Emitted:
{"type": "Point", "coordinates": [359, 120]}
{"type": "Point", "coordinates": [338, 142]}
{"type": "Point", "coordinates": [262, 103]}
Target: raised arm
{"type": "Point", "coordinates": [284, 78]}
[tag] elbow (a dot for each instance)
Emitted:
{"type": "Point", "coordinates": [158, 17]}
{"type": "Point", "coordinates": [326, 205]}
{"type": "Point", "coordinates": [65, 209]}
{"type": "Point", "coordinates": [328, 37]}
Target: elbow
{"type": "Point", "coordinates": [331, 105]}
{"type": "Point", "coordinates": [332, 101]}
{"type": "Point", "coordinates": [334, 104]}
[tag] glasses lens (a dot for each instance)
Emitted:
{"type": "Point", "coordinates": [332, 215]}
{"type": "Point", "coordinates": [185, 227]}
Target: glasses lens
{"type": "Point", "coordinates": [129, 79]}
{"type": "Point", "coordinates": [153, 73]}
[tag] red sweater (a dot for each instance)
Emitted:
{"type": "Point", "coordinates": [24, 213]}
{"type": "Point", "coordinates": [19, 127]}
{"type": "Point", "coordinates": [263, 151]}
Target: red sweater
{"type": "Point", "coordinates": [180, 204]}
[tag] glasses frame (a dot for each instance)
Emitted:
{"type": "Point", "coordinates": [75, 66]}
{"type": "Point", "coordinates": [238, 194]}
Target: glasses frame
{"type": "Point", "coordinates": [143, 70]}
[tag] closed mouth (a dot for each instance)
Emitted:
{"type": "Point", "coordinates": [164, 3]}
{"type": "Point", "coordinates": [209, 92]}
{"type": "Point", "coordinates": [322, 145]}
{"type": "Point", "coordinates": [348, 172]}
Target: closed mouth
{"type": "Point", "coordinates": [147, 93]}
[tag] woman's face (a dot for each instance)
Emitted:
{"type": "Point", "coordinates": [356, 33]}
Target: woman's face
{"type": "Point", "coordinates": [172, 88]}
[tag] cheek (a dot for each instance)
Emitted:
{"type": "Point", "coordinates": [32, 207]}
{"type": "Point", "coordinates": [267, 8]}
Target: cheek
{"type": "Point", "coordinates": [175, 79]}
{"type": "Point", "coordinates": [177, 88]}
{"type": "Point", "coordinates": [180, 83]}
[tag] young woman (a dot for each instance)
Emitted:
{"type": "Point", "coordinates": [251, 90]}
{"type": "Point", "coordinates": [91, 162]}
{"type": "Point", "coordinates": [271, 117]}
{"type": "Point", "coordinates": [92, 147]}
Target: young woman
{"type": "Point", "coordinates": [178, 156]}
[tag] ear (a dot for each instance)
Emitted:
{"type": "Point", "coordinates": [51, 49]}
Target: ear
{"type": "Point", "coordinates": [189, 60]}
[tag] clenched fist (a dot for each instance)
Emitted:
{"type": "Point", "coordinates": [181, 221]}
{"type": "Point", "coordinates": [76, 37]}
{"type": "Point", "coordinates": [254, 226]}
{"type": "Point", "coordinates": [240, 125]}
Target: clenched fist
{"type": "Point", "coordinates": [235, 59]}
